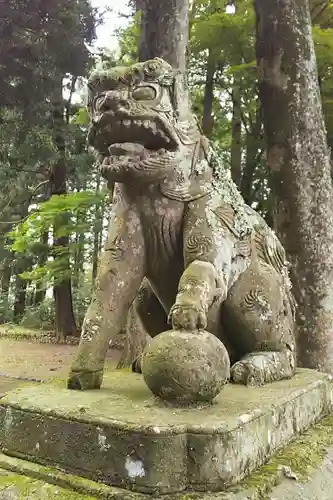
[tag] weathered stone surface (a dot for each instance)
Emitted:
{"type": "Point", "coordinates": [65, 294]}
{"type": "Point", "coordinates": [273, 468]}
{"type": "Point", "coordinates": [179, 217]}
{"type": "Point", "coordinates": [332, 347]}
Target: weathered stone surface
{"type": "Point", "coordinates": [186, 366]}
{"type": "Point", "coordinates": [122, 436]}
{"type": "Point", "coordinates": [309, 458]}
{"type": "Point", "coordinates": [180, 228]}
{"type": "Point", "coordinates": [301, 470]}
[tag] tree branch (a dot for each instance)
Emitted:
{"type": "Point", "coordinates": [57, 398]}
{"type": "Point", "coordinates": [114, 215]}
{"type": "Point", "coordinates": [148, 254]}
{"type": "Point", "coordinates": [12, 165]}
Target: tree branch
{"type": "Point", "coordinates": [315, 16]}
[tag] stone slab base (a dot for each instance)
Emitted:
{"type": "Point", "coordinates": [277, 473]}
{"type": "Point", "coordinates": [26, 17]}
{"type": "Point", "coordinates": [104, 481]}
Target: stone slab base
{"type": "Point", "coordinates": [309, 460]}
{"type": "Point", "coordinates": [122, 436]}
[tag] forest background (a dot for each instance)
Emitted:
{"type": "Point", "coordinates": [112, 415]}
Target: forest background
{"type": "Point", "coordinates": [54, 206]}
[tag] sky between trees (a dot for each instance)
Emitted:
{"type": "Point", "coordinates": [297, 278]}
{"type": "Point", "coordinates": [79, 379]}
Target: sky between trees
{"type": "Point", "coordinates": [106, 33]}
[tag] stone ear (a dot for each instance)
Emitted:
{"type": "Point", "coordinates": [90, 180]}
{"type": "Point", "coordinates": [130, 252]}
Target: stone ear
{"type": "Point", "coordinates": [159, 59]}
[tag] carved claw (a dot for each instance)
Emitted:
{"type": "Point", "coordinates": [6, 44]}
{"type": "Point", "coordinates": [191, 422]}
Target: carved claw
{"type": "Point", "coordinates": [83, 381]}
{"type": "Point", "coordinates": [262, 367]}
{"type": "Point", "coordinates": [244, 372]}
{"type": "Point", "coordinates": [184, 317]}
{"type": "Point", "coordinates": [136, 365]}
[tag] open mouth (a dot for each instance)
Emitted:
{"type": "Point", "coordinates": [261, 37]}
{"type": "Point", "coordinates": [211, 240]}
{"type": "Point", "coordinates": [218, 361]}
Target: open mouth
{"type": "Point", "coordinates": [145, 132]}
{"type": "Point", "coordinates": [127, 160]}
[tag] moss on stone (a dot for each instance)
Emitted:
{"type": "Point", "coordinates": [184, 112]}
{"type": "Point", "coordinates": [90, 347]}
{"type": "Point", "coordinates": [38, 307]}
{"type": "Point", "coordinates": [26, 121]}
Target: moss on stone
{"type": "Point", "coordinates": [23, 487]}
{"type": "Point", "coordinates": [23, 474]}
{"type": "Point", "coordinates": [122, 389]}
{"type": "Point", "coordinates": [302, 456]}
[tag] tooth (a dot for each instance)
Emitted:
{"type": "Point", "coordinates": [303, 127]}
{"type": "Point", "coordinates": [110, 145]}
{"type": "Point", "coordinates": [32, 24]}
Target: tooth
{"type": "Point", "coordinates": [146, 124]}
{"type": "Point", "coordinates": [138, 122]}
{"type": "Point", "coordinates": [127, 123]}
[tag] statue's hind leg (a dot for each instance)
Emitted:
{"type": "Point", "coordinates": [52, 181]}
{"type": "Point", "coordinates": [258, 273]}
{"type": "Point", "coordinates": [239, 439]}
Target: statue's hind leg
{"type": "Point", "coordinates": [258, 318]}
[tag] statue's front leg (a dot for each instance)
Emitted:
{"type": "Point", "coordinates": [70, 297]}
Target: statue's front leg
{"type": "Point", "coordinates": [196, 292]}
{"type": "Point", "coordinates": [200, 282]}
{"type": "Point", "coordinates": [120, 274]}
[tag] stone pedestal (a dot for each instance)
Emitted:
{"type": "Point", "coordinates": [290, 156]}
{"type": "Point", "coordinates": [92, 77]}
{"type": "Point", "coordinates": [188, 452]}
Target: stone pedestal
{"type": "Point", "coordinates": [122, 436]}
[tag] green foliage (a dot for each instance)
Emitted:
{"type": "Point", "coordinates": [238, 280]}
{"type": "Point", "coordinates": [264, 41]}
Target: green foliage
{"type": "Point", "coordinates": [225, 37]}
{"type": "Point", "coordinates": [38, 42]}
{"type": "Point", "coordinates": [82, 295]}
{"type": "Point", "coordinates": [222, 40]}
{"type": "Point", "coordinates": [63, 214]}
{"type": "Point", "coordinates": [323, 39]}
{"type": "Point", "coordinates": [129, 38]}
{"type": "Point", "coordinates": [39, 316]}
{"type": "Point", "coordinates": [229, 35]}
{"type": "Point", "coordinates": [42, 45]}
{"type": "Point", "coordinates": [81, 117]}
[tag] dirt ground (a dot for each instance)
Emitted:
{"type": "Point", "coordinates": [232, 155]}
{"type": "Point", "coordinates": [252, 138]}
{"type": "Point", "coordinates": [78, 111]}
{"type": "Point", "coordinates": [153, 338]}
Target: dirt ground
{"type": "Point", "coordinates": [19, 358]}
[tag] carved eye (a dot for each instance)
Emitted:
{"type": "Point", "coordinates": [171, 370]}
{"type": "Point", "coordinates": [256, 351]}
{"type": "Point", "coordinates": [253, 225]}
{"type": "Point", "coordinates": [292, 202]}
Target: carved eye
{"type": "Point", "coordinates": [150, 68]}
{"type": "Point", "coordinates": [136, 72]}
{"type": "Point", "coordinates": [144, 94]}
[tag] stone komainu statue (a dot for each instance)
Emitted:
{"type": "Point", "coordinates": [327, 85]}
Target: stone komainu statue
{"type": "Point", "coordinates": [180, 227]}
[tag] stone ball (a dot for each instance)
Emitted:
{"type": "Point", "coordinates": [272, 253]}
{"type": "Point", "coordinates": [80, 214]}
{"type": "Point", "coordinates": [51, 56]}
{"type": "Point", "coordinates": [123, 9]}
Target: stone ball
{"type": "Point", "coordinates": [184, 366]}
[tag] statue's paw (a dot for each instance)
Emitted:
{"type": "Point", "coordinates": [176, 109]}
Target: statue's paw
{"type": "Point", "coordinates": [83, 380]}
{"type": "Point", "coordinates": [187, 318]}
{"type": "Point", "coordinates": [263, 367]}
{"type": "Point", "coordinates": [247, 373]}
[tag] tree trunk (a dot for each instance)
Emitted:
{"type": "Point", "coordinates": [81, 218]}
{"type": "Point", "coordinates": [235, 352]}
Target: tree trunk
{"type": "Point", "coordinates": [80, 241]}
{"type": "Point", "coordinates": [236, 137]}
{"type": "Point", "coordinates": [21, 265]}
{"type": "Point", "coordinates": [79, 253]}
{"type": "Point", "coordinates": [20, 291]}
{"type": "Point", "coordinates": [42, 258]}
{"type": "Point", "coordinates": [62, 290]}
{"type": "Point", "coordinates": [299, 162]}
{"type": "Point", "coordinates": [164, 31]}
{"type": "Point", "coordinates": [6, 273]}
{"type": "Point", "coordinates": [98, 227]}
{"type": "Point", "coordinates": [207, 119]}
{"type": "Point", "coordinates": [253, 143]}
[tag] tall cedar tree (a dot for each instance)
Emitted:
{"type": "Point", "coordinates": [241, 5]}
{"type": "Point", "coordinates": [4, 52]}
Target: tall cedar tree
{"type": "Point", "coordinates": [299, 161]}
{"type": "Point", "coordinates": [164, 33]}
{"type": "Point", "coordinates": [164, 30]}
{"type": "Point", "coordinates": [40, 43]}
